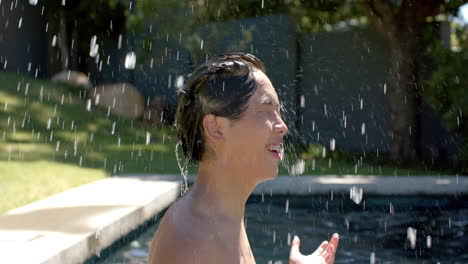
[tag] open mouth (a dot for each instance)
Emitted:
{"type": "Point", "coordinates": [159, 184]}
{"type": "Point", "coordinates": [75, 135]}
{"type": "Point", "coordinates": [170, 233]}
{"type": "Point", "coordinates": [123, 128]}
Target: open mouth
{"type": "Point", "coordinates": [276, 150]}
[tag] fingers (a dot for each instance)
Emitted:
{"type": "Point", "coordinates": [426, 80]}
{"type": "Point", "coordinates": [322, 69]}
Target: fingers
{"type": "Point", "coordinates": [321, 248]}
{"type": "Point", "coordinates": [329, 252]}
{"type": "Point", "coordinates": [295, 248]}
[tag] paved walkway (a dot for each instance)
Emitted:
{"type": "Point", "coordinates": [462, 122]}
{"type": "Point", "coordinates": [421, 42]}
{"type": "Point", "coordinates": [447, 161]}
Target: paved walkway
{"type": "Point", "coordinates": [72, 226]}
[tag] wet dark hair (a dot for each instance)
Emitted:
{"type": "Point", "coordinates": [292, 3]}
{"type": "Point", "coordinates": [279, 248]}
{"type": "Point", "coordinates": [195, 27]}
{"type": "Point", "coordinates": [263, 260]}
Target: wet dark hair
{"type": "Point", "coordinates": [222, 86]}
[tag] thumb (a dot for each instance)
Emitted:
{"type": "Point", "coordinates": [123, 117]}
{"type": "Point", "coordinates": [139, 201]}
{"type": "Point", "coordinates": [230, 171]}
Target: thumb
{"type": "Point", "coordinates": [295, 247]}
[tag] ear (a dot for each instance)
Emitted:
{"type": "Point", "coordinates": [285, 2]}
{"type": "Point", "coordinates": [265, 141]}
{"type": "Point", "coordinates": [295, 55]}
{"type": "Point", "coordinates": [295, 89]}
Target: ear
{"type": "Point", "coordinates": [213, 128]}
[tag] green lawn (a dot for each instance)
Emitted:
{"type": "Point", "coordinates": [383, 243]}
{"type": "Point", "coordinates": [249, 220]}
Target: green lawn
{"type": "Point", "coordinates": [49, 143]}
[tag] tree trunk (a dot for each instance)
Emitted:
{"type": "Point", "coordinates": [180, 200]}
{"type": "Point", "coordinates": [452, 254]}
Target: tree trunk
{"type": "Point", "coordinates": [64, 50]}
{"type": "Point", "coordinates": [54, 64]}
{"type": "Point", "coordinates": [403, 102]}
{"type": "Point", "coordinates": [401, 24]}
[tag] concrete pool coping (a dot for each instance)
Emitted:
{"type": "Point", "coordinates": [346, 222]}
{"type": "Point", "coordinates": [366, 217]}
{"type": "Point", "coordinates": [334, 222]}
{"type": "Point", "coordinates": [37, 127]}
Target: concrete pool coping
{"type": "Point", "coordinates": [77, 224]}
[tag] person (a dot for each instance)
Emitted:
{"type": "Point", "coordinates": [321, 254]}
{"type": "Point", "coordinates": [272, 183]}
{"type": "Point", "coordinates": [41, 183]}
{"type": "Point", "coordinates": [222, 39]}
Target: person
{"type": "Point", "coordinates": [228, 121]}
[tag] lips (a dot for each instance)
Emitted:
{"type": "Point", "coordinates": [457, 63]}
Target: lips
{"type": "Point", "coordinates": [276, 150]}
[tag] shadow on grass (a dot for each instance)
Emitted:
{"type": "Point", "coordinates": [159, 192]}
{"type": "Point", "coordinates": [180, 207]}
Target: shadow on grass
{"type": "Point", "coordinates": [46, 121]}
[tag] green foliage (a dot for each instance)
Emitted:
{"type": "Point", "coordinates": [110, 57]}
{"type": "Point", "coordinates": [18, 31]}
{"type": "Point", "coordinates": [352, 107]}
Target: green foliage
{"type": "Point", "coordinates": [446, 88]}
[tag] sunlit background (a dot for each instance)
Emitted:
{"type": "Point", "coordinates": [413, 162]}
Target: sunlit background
{"type": "Point", "coordinates": [88, 89]}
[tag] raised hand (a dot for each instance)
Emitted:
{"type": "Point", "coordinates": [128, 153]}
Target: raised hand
{"type": "Point", "coordinates": [325, 253]}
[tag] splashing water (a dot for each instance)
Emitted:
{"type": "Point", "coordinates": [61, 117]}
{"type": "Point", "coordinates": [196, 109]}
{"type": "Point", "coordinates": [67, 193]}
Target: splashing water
{"type": "Point", "coordinates": [332, 144]}
{"type": "Point", "coordinates": [88, 105]}
{"type": "Point", "coordinates": [130, 60]}
{"type": "Point", "coordinates": [148, 137]}
{"type": "Point", "coordinates": [411, 236]}
{"type": "Point", "coordinates": [93, 47]}
{"type": "Point", "coordinates": [179, 83]}
{"type": "Point", "coordinates": [54, 41]}
{"type": "Point", "coordinates": [298, 168]}
{"type": "Point", "coordinates": [119, 43]}
{"type": "Point", "coordinates": [355, 193]}
{"type": "Point", "coordinates": [183, 170]}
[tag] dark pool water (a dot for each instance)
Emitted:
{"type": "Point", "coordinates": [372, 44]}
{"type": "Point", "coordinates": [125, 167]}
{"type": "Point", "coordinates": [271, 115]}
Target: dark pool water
{"type": "Point", "coordinates": [377, 226]}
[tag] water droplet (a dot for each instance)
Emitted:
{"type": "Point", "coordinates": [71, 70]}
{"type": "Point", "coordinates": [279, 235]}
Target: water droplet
{"type": "Point", "coordinates": [298, 168]}
{"type": "Point", "coordinates": [63, 2]}
{"type": "Point", "coordinates": [286, 210]}
{"type": "Point", "coordinates": [302, 101]}
{"type": "Point", "coordinates": [361, 102]}
{"type": "Point", "coordinates": [93, 47]}
{"type": "Point", "coordinates": [411, 236]}
{"type": "Point", "coordinates": [355, 193]}
{"type": "Point", "coordinates": [20, 22]}
{"type": "Point", "coordinates": [363, 128]}
{"type": "Point", "coordinates": [57, 146]}
{"type": "Point", "coordinates": [88, 105]}
{"type": "Point", "coordinates": [392, 209]}
{"type": "Point", "coordinates": [263, 4]}
{"type": "Point", "coordinates": [113, 128]}
{"type": "Point", "coordinates": [289, 239]}
{"type": "Point", "coordinates": [429, 241]}
{"type": "Point", "coordinates": [385, 88]}
{"type": "Point", "coordinates": [313, 164]}
{"type": "Point", "coordinates": [119, 43]}
{"type": "Point", "coordinates": [54, 41]}
{"type": "Point", "coordinates": [33, 2]}
{"type": "Point", "coordinates": [332, 144]}
{"type": "Point", "coordinates": [130, 60]}
{"type": "Point", "coordinates": [179, 83]}
{"type": "Point", "coordinates": [98, 234]}
{"type": "Point", "coordinates": [372, 258]}
{"type": "Point", "coordinates": [49, 121]}
{"type": "Point", "coordinates": [201, 45]}
{"type": "Point", "coordinates": [148, 137]}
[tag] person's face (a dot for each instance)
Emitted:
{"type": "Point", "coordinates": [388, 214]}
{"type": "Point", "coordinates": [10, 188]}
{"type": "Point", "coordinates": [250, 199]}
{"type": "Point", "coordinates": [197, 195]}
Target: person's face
{"type": "Point", "coordinates": [254, 142]}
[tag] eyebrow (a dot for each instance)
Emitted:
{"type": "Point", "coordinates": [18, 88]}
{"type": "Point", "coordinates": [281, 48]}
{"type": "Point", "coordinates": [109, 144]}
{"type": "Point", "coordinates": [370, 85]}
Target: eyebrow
{"type": "Point", "coordinates": [270, 101]}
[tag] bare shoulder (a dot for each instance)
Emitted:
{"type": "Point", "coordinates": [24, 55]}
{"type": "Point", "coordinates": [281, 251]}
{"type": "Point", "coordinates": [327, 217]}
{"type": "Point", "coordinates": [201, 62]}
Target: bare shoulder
{"type": "Point", "coordinates": [182, 238]}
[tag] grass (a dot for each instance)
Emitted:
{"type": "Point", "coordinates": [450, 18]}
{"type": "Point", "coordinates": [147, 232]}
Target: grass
{"type": "Point", "coordinates": [49, 143]}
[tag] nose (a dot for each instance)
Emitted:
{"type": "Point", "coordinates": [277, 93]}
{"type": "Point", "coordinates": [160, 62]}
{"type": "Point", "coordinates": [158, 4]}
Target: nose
{"type": "Point", "coordinates": [280, 127]}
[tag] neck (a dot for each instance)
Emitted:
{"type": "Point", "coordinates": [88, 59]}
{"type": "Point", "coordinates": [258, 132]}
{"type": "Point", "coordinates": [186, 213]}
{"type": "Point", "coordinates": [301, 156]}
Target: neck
{"type": "Point", "coordinates": [223, 189]}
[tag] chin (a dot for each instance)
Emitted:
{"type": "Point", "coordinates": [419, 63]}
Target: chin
{"type": "Point", "coordinates": [269, 176]}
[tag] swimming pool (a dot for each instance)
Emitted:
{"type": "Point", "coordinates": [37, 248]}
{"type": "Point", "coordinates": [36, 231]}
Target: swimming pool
{"type": "Point", "coordinates": [380, 229]}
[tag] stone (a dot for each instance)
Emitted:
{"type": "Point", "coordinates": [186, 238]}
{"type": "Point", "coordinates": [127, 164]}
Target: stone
{"type": "Point", "coordinates": [157, 110]}
{"type": "Point", "coordinates": [122, 99]}
{"type": "Point", "coordinates": [73, 78]}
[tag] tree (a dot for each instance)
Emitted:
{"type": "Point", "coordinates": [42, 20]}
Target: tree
{"type": "Point", "coordinates": [71, 27]}
{"type": "Point", "coordinates": [402, 24]}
